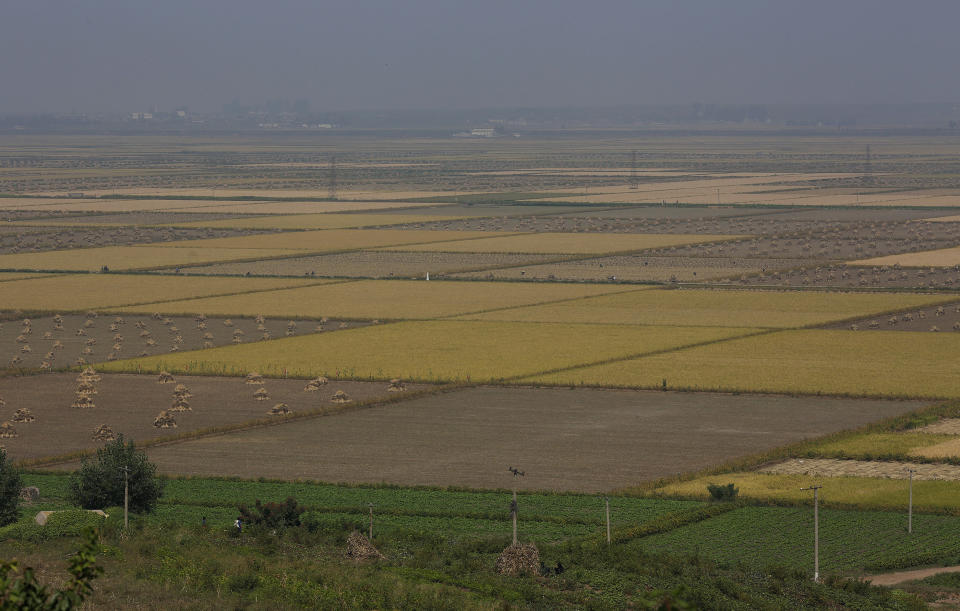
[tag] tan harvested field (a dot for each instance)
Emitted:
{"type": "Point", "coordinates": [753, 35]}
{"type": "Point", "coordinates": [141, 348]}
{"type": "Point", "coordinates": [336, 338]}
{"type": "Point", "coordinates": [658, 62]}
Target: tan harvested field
{"type": "Point", "coordinates": [586, 440]}
{"type": "Point", "coordinates": [712, 308]}
{"type": "Point", "coordinates": [104, 205]}
{"type": "Point", "coordinates": [831, 467]}
{"type": "Point", "coordinates": [108, 338]}
{"type": "Point", "coordinates": [808, 361]}
{"type": "Point", "coordinates": [42, 239]}
{"type": "Point", "coordinates": [298, 207]}
{"type": "Point", "coordinates": [316, 221]}
{"type": "Point", "coordinates": [839, 277]}
{"type": "Point", "coordinates": [129, 258]}
{"type": "Point", "coordinates": [319, 193]}
{"type": "Point", "coordinates": [129, 404]}
{"type": "Point", "coordinates": [636, 268]}
{"type": "Point", "coordinates": [73, 292]}
{"type": "Point", "coordinates": [943, 257]}
{"type": "Point", "coordinates": [9, 276]}
{"type": "Point", "coordinates": [953, 218]}
{"type": "Point", "coordinates": [372, 264]}
{"type": "Point", "coordinates": [436, 351]}
{"type": "Point", "coordinates": [328, 240]}
{"type": "Point", "coordinates": [945, 317]}
{"type": "Point", "coordinates": [946, 449]}
{"type": "Point", "coordinates": [566, 243]}
{"type": "Point", "coordinates": [381, 299]}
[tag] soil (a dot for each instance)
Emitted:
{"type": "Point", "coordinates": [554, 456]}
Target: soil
{"type": "Point", "coordinates": [917, 319]}
{"type": "Point", "coordinates": [824, 274]}
{"type": "Point", "coordinates": [132, 343]}
{"type": "Point", "coordinates": [583, 439]}
{"type": "Point", "coordinates": [129, 404]}
{"type": "Point", "coordinates": [36, 239]}
{"type": "Point", "coordinates": [371, 264]}
{"type": "Point", "coordinates": [890, 579]}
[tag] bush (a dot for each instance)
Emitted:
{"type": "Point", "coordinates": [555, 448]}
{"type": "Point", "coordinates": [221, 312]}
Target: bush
{"type": "Point", "coordinates": [99, 483]}
{"type": "Point", "coordinates": [10, 485]}
{"type": "Point", "coordinates": [723, 493]}
{"type": "Point", "coordinates": [25, 592]}
{"type": "Point", "coordinates": [272, 515]}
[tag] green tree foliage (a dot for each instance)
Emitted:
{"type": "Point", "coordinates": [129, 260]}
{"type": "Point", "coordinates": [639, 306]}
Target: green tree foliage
{"type": "Point", "coordinates": [272, 515]}
{"type": "Point", "coordinates": [10, 485]}
{"type": "Point", "coordinates": [99, 483]}
{"type": "Point", "coordinates": [728, 492]}
{"type": "Point", "coordinates": [22, 591]}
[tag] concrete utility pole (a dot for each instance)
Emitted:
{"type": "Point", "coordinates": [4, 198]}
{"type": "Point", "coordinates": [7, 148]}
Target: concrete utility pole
{"type": "Point", "coordinates": [126, 496]}
{"type": "Point", "coordinates": [371, 521]}
{"type": "Point", "coordinates": [910, 504]}
{"type": "Point", "coordinates": [517, 473]}
{"type": "Point", "coordinates": [606, 501]}
{"type": "Point", "coordinates": [816, 531]}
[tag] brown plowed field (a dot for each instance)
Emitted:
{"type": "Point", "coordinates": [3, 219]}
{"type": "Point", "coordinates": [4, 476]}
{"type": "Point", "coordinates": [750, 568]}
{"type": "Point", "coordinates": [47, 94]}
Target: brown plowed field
{"type": "Point", "coordinates": [129, 404]}
{"type": "Point", "coordinates": [917, 319]}
{"type": "Point", "coordinates": [39, 239]}
{"type": "Point", "coordinates": [581, 439]}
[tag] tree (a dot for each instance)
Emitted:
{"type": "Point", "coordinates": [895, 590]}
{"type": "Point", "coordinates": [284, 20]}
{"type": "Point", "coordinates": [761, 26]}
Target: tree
{"type": "Point", "coordinates": [25, 592]}
{"type": "Point", "coordinates": [10, 485]}
{"type": "Point", "coordinates": [272, 515]}
{"type": "Point", "coordinates": [99, 483]}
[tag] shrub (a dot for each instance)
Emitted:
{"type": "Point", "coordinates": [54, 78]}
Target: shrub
{"type": "Point", "coordinates": [272, 515]}
{"type": "Point", "coordinates": [99, 483]}
{"type": "Point", "coordinates": [24, 592]}
{"type": "Point", "coordinates": [10, 485]}
{"type": "Point", "coordinates": [728, 492]}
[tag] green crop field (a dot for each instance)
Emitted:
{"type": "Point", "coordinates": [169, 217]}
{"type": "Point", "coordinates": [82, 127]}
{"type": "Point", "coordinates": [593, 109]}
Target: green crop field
{"type": "Point", "coordinates": [433, 351]}
{"type": "Point", "coordinates": [901, 364]}
{"type": "Point", "coordinates": [384, 299]}
{"type": "Point", "coordinates": [849, 541]}
{"type": "Point", "coordinates": [70, 292]}
{"type": "Point", "coordinates": [717, 308]}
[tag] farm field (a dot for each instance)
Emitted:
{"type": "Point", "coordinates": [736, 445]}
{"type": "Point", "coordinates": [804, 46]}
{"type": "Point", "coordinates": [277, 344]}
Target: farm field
{"type": "Point", "coordinates": [40, 239]}
{"type": "Point", "coordinates": [288, 207]}
{"type": "Point", "coordinates": [940, 318]}
{"type": "Point", "coordinates": [74, 292]}
{"type": "Point", "coordinates": [712, 308]}
{"type": "Point", "coordinates": [582, 440]}
{"type": "Point", "coordinates": [443, 351]}
{"type": "Point", "coordinates": [130, 403]}
{"type": "Point", "coordinates": [315, 221]}
{"type": "Point", "coordinates": [128, 258]}
{"type": "Point", "coordinates": [806, 361]}
{"type": "Point", "coordinates": [327, 240]}
{"type": "Point", "coordinates": [81, 339]}
{"type": "Point", "coordinates": [371, 264]}
{"type": "Point", "coordinates": [839, 277]}
{"type": "Point", "coordinates": [572, 243]}
{"type": "Point", "coordinates": [101, 205]}
{"type": "Point", "coordinates": [942, 257]}
{"type": "Point", "coordinates": [381, 299]}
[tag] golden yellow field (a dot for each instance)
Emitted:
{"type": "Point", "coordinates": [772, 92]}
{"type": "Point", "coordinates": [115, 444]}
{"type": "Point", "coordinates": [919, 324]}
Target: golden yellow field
{"type": "Point", "coordinates": [568, 243]}
{"type": "Point", "coordinates": [104, 205]}
{"type": "Point", "coordinates": [865, 492]}
{"type": "Point", "coordinates": [317, 221]}
{"type": "Point", "coordinates": [384, 299]}
{"type": "Point", "coordinates": [66, 292]}
{"type": "Point", "coordinates": [297, 207]}
{"type": "Point", "coordinates": [893, 364]}
{"type": "Point", "coordinates": [713, 308]}
{"type": "Point", "coordinates": [8, 276]}
{"type": "Point", "coordinates": [329, 240]}
{"type": "Point", "coordinates": [133, 257]}
{"type": "Point", "coordinates": [944, 257]}
{"type": "Point", "coordinates": [342, 194]}
{"type": "Point", "coordinates": [431, 351]}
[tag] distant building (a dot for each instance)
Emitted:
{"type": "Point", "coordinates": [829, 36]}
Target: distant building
{"type": "Point", "coordinates": [483, 132]}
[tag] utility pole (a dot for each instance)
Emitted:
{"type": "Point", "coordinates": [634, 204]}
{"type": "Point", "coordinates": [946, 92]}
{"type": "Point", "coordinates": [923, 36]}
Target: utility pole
{"type": "Point", "coordinates": [332, 193]}
{"type": "Point", "coordinates": [634, 181]}
{"type": "Point", "coordinates": [513, 504]}
{"type": "Point", "coordinates": [126, 496]}
{"type": "Point", "coordinates": [816, 531]}
{"type": "Point", "coordinates": [371, 522]}
{"type": "Point", "coordinates": [606, 501]}
{"type": "Point", "coordinates": [910, 505]}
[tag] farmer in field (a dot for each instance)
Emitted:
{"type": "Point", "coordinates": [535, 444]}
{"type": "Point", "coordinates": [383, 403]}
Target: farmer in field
{"type": "Point", "coordinates": [238, 524]}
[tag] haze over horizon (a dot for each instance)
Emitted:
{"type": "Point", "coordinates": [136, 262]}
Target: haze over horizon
{"type": "Point", "coordinates": [116, 56]}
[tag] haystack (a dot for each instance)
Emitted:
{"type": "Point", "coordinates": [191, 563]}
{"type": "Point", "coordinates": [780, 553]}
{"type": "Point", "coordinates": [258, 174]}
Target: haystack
{"type": "Point", "coordinates": [29, 494]}
{"type": "Point", "coordinates": [57, 318]}
{"type": "Point", "coordinates": [228, 323]}
{"type": "Point", "coordinates": [182, 392]}
{"type": "Point", "coordinates": [83, 401]}
{"type": "Point", "coordinates": [7, 431]}
{"type": "Point", "coordinates": [260, 319]}
{"type": "Point", "coordinates": [254, 378]}
{"type": "Point", "coordinates": [315, 384]}
{"type": "Point", "coordinates": [207, 336]}
{"type": "Point", "coordinates": [359, 548]}
{"type": "Point", "coordinates": [23, 415]}
{"type": "Point", "coordinates": [45, 365]}
{"type": "Point", "coordinates": [16, 360]}
{"type": "Point", "coordinates": [519, 559]}
{"type": "Point", "coordinates": [2, 403]}
{"type": "Point", "coordinates": [165, 377]}
{"type": "Point", "coordinates": [164, 420]}
{"type": "Point", "coordinates": [291, 324]}
{"type": "Point", "coordinates": [280, 409]}
{"type": "Point", "coordinates": [89, 375]}
{"type": "Point", "coordinates": [261, 394]}
{"type": "Point", "coordinates": [396, 385]}
{"type": "Point", "coordinates": [180, 405]}
{"type": "Point", "coordinates": [58, 345]}
{"type": "Point", "coordinates": [104, 433]}
{"type": "Point", "coordinates": [340, 397]}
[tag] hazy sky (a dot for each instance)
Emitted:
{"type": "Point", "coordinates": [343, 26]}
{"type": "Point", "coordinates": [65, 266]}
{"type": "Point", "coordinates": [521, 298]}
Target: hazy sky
{"type": "Point", "coordinates": [119, 55]}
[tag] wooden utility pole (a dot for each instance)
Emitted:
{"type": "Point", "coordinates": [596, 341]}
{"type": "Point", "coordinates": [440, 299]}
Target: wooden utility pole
{"type": "Point", "coordinates": [517, 473]}
{"type": "Point", "coordinates": [816, 531]}
{"type": "Point", "coordinates": [126, 496]}
{"type": "Point", "coordinates": [371, 522]}
{"type": "Point", "coordinates": [606, 501]}
{"type": "Point", "coordinates": [910, 504]}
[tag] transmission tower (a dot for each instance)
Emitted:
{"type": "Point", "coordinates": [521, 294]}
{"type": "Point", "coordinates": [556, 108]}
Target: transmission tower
{"type": "Point", "coordinates": [332, 178]}
{"type": "Point", "coordinates": [634, 181]}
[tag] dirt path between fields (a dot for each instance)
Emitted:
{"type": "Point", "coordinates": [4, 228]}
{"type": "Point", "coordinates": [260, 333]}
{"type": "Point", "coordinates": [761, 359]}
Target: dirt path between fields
{"type": "Point", "coordinates": [889, 579]}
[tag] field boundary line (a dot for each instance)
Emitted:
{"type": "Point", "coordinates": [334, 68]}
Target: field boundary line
{"type": "Point", "coordinates": [530, 305]}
